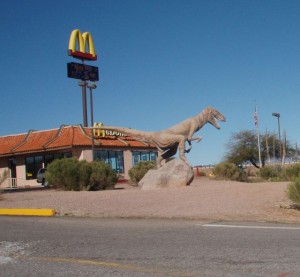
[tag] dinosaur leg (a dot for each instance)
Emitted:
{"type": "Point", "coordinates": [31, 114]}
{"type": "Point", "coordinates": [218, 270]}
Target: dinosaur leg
{"type": "Point", "coordinates": [181, 147]}
{"type": "Point", "coordinates": [195, 138]}
{"type": "Point", "coordinates": [159, 159]}
{"type": "Point", "coordinates": [190, 147]}
{"type": "Point", "coordinates": [165, 154]}
{"type": "Point", "coordinates": [170, 152]}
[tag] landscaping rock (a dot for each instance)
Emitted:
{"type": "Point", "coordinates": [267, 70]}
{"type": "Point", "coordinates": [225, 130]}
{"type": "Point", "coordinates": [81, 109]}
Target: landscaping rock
{"type": "Point", "coordinates": [172, 174]}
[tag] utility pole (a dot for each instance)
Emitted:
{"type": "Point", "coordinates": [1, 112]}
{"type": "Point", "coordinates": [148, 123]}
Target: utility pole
{"type": "Point", "coordinates": [279, 137]}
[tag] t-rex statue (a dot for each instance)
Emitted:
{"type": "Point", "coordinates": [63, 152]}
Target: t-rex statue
{"type": "Point", "coordinates": [169, 140]}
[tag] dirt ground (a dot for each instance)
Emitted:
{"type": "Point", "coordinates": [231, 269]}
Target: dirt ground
{"type": "Point", "coordinates": [204, 199]}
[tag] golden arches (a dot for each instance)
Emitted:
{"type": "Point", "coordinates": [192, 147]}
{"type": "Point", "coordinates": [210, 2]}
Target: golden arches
{"type": "Point", "coordinates": [84, 40]}
{"type": "Point", "coordinates": [98, 132]}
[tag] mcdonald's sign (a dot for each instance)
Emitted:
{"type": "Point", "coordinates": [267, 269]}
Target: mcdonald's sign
{"type": "Point", "coordinates": [83, 72]}
{"type": "Point", "coordinates": [83, 41]}
{"type": "Point", "coordinates": [98, 132]}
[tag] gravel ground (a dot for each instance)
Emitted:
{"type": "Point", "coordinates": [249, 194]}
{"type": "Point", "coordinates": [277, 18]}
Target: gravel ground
{"type": "Point", "coordinates": [204, 199]}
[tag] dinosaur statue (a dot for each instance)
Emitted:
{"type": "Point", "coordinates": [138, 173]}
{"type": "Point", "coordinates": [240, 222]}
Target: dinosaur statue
{"type": "Point", "coordinates": [169, 140]}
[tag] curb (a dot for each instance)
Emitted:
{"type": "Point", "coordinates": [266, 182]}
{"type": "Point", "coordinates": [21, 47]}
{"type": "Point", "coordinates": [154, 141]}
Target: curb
{"type": "Point", "coordinates": [28, 212]}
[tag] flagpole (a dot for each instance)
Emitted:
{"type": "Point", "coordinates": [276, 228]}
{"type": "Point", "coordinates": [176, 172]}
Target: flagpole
{"type": "Point", "coordinates": [258, 139]}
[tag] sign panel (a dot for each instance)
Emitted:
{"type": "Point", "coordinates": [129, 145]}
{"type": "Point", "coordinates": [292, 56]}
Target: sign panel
{"type": "Point", "coordinates": [102, 132]}
{"type": "Point", "coordinates": [83, 72]}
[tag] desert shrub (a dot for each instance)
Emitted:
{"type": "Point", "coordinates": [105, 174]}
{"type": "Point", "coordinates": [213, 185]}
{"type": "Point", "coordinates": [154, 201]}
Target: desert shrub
{"type": "Point", "coordinates": [137, 172]}
{"type": "Point", "coordinates": [102, 176]}
{"type": "Point", "coordinates": [229, 171]}
{"type": "Point", "coordinates": [201, 173]}
{"type": "Point", "coordinates": [269, 172]}
{"type": "Point", "coordinates": [293, 190]}
{"type": "Point", "coordinates": [292, 171]}
{"type": "Point", "coordinates": [85, 171]}
{"type": "Point", "coordinates": [71, 174]}
{"type": "Point", "coordinates": [279, 173]}
{"type": "Point", "coordinates": [63, 174]}
{"type": "Point", "coordinates": [3, 176]}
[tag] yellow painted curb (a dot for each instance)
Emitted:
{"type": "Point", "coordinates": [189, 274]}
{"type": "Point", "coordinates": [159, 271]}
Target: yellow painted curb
{"type": "Point", "coordinates": [29, 212]}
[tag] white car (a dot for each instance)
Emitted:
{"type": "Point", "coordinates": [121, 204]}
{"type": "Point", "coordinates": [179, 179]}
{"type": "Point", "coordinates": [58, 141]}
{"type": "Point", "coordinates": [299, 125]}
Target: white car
{"type": "Point", "coordinates": [40, 177]}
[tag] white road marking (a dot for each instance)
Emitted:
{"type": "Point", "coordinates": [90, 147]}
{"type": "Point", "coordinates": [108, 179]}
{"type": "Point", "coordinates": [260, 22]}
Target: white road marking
{"type": "Point", "coordinates": [11, 250]}
{"type": "Point", "coordinates": [250, 227]}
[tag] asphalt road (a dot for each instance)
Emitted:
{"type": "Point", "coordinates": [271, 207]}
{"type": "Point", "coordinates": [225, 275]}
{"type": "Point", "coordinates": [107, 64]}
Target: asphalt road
{"type": "Point", "coordinates": [65, 246]}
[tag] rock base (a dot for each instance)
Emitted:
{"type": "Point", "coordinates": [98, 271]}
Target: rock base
{"type": "Point", "coordinates": [173, 174]}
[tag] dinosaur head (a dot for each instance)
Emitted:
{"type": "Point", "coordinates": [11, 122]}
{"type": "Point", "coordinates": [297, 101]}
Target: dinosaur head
{"type": "Point", "coordinates": [213, 115]}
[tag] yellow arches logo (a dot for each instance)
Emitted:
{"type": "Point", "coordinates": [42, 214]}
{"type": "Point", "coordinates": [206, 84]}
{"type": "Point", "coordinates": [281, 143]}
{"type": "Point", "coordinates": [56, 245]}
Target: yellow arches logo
{"type": "Point", "coordinates": [98, 132]}
{"type": "Point", "coordinates": [83, 40]}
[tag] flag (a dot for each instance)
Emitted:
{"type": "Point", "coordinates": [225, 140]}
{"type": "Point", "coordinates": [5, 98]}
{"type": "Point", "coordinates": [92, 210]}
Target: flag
{"type": "Point", "coordinates": [255, 118]}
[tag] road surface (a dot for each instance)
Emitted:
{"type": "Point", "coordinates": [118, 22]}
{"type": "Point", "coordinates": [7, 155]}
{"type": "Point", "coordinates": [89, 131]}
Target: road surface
{"type": "Point", "coordinates": [66, 246]}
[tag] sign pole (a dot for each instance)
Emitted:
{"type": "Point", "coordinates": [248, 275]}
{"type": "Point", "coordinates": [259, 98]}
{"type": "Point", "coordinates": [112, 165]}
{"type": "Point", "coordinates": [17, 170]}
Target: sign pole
{"type": "Point", "coordinates": [92, 86]}
{"type": "Point", "coordinates": [81, 71]}
{"type": "Point", "coordinates": [85, 120]}
{"type": "Point", "coordinates": [84, 105]}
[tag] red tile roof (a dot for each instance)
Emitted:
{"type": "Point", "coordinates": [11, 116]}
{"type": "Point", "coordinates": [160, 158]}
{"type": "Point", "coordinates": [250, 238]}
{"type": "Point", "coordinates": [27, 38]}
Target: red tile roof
{"type": "Point", "coordinates": [63, 137]}
{"type": "Point", "coordinates": [9, 142]}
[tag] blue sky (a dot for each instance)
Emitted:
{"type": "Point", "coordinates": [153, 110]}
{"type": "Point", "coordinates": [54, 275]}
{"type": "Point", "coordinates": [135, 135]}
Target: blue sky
{"type": "Point", "coordinates": [160, 62]}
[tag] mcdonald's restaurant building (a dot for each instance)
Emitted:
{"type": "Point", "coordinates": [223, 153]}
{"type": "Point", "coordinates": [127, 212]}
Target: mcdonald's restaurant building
{"type": "Point", "coordinates": [24, 154]}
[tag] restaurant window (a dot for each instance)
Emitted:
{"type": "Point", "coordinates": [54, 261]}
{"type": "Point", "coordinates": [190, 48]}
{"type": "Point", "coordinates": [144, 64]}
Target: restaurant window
{"type": "Point", "coordinates": [114, 158]}
{"type": "Point", "coordinates": [58, 156]}
{"type": "Point", "coordinates": [138, 156]}
{"type": "Point", "coordinates": [34, 163]}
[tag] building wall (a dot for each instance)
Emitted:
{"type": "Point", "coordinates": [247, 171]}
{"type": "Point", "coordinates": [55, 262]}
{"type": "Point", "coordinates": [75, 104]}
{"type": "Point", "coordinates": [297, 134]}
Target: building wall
{"type": "Point", "coordinates": [81, 154]}
{"type": "Point", "coordinates": [84, 155]}
{"type": "Point", "coordinates": [21, 170]}
{"type": "Point", "coordinates": [127, 162]}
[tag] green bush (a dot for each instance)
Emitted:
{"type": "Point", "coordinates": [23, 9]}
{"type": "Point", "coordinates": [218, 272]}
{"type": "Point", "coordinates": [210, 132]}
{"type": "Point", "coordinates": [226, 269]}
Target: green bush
{"type": "Point", "coordinates": [269, 172]}
{"type": "Point", "coordinates": [279, 173]}
{"type": "Point", "coordinates": [63, 174]}
{"type": "Point", "coordinates": [293, 190]}
{"type": "Point", "coordinates": [229, 171]}
{"type": "Point", "coordinates": [137, 172]}
{"type": "Point", "coordinates": [292, 171]}
{"type": "Point", "coordinates": [85, 171]}
{"type": "Point", "coordinates": [71, 174]}
{"type": "Point", "coordinates": [102, 176]}
{"type": "Point", "coordinates": [3, 176]}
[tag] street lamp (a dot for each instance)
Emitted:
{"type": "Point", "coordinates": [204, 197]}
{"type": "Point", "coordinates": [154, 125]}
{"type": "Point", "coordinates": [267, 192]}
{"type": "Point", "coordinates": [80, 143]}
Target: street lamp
{"type": "Point", "coordinates": [279, 137]}
{"type": "Point", "coordinates": [92, 86]}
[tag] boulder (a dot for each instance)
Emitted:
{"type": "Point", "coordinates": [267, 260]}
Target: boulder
{"type": "Point", "coordinates": [173, 174]}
